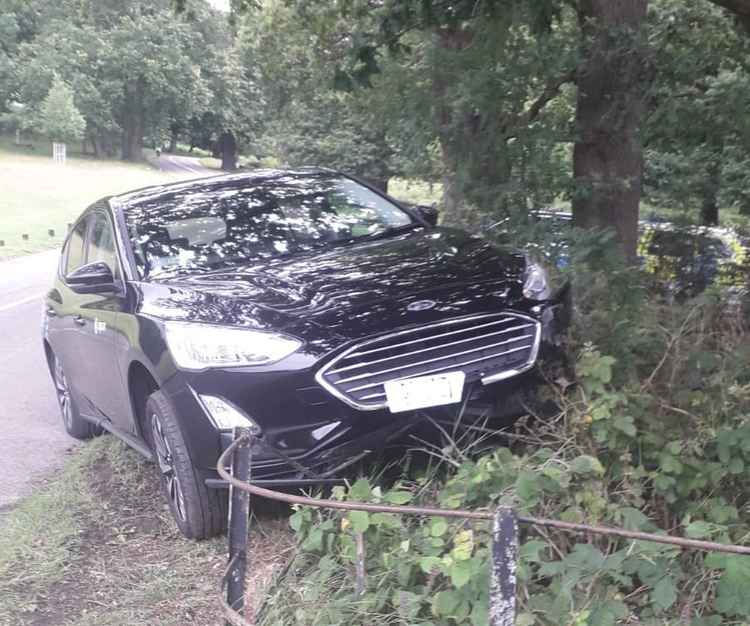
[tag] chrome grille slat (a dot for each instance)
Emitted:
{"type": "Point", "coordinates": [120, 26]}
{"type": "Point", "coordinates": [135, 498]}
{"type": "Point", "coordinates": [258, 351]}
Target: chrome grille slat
{"type": "Point", "coordinates": [431, 348]}
{"type": "Point", "coordinates": [342, 381]}
{"type": "Point", "coordinates": [442, 369]}
{"type": "Point", "coordinates": [406, 343]}
{"type": "Point", "coordinates": [484, 347]}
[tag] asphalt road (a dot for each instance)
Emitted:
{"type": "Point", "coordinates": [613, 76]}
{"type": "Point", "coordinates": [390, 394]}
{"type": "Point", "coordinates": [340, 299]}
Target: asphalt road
{"type": "Point", "coordinates": [33, 441]}
{"type": "Point", "coordinates": [182, 165]}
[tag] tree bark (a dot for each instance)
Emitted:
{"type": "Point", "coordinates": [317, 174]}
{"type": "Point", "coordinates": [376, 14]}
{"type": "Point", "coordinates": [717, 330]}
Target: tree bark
{"type": "Point", "coordinates": [228, 148]}
{"type": "Point", "coordinates": [132, 136]}
{"type": "Point", "coordinates": [710, 206]}
{"type": "Point", "coordinates": [612, 79]}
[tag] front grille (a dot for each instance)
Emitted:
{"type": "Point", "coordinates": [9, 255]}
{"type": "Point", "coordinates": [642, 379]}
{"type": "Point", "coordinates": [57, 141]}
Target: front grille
{"type": "Point", "coordinates": [486, 346]}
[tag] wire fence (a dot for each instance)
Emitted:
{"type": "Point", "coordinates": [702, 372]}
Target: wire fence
{"type": "Point", "coordinates": [505, 526]}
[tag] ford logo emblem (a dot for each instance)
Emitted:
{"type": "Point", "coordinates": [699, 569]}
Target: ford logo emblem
{"type": "Point", "coordinates": [421, 305]}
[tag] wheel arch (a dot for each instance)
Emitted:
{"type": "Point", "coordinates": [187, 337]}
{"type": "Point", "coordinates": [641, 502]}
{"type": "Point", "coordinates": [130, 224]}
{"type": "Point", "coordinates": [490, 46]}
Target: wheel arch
{"type": "Point", "coordinates": [141, 384]}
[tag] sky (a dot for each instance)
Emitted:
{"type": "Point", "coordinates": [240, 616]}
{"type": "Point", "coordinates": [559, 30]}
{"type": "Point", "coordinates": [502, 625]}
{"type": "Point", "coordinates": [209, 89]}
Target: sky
{"type": "Point", "coordinates": [222, 5]}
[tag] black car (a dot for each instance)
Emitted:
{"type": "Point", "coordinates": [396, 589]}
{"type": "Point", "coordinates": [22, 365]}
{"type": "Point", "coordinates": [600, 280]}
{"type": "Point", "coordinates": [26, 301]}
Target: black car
{"type": "Point", "coordinates": [303, 304]}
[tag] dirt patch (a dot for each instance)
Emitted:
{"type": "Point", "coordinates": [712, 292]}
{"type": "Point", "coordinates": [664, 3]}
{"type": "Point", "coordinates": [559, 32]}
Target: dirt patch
{"type": "Point", "coordinates": [128, 563]}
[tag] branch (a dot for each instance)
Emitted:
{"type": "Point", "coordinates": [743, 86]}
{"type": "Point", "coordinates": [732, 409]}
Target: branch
{"type": "Point", "coordinates": [740, 8]}
{"type": "Point", "coordinates": [551, 90]}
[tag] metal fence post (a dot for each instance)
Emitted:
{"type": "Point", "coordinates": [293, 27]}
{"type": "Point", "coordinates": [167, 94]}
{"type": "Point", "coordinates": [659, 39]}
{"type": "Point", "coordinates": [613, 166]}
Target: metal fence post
{"type": "Point", "coordinates": [239, 513]}
{"type": "Point", "coordinates": [504, 562]}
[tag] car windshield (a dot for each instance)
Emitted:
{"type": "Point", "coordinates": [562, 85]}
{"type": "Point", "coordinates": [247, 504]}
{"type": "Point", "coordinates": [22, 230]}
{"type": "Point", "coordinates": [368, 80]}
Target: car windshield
{"type": "Point", "coordinates": [240, 220]}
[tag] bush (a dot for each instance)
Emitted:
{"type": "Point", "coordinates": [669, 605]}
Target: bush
{"type": "Point", "coordinates": [655, 437]}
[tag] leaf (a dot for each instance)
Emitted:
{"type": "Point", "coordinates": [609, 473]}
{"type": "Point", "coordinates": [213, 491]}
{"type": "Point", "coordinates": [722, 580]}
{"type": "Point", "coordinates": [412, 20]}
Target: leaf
{"type": "Point", "coordinates": [530, 551]}
{"type": "Point", "coordinates": [360, 490]}
{"type": "Point", "coordinates": [460, 573]}
{"type": "Point", "coordinates": [398, 497]}
{"type": "Point", "coordinates": [731, 592]}
{"type": "Point", "coordinates": [586, 464]}
{"type": "Point", "coordinates": [429, 563]}
{"type": "Point", "coordinates": [699, 530]}
{"type": "Point", "coordinates": [438, 527]}
{"type": "Point", "coordinates": [360, 520]}
{"type": "Point", "coordinates": [664, 594]}
{"type": "Point", "coordinates": [445, 602]}
{"type": "Point", "coordinates": [463, 545]}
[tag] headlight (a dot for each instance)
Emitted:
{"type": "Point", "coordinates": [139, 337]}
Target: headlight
{"type": "Point", "coordinates": [199, 346]}
{"type": "Point", "coordinates": [535, 282]}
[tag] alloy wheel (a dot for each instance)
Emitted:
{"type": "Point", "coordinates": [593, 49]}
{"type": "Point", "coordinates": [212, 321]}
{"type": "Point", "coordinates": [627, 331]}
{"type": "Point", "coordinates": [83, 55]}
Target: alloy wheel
{"type": "Point", "coordinates": [165, 459]}
{"type": "Point", "coordinates": [63, 395]}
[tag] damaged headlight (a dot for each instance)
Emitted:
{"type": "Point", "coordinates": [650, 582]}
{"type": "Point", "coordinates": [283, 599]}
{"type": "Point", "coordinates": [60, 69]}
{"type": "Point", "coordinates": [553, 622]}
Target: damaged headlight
{"type": "Point", "coordinates": [535, 281]}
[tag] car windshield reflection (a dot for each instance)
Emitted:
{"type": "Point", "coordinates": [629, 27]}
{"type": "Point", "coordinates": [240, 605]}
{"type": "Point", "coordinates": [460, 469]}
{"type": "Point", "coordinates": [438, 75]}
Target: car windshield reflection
{"type": "Point", "coordinates": [239, 221]}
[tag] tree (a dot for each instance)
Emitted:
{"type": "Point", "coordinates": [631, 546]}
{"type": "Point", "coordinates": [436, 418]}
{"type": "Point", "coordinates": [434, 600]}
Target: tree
{"type": "Point", "coordinates": [612, 79]}
{"type": "Point", "coordinates": [697, 133]}
{"type": "Point", "coordinates": [59, 119]}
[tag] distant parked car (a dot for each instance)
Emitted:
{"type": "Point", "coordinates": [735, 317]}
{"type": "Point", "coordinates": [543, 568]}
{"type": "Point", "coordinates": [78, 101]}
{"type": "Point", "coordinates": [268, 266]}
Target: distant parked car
{"type": "Point", "coordinates": [681, 260]}
{"type": "Point", "coordinates": [304, 305]}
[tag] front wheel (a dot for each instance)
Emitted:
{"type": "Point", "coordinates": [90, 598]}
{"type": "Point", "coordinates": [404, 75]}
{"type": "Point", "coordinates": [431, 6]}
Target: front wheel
{"type": "Point", "coordinates": [198, 511]}
{"type": "Point", "coordinates": [75, 425]}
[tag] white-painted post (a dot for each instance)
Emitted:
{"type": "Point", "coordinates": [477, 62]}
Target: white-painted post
{"type": "Point", "coordinates": [504, 563]}
{"type": "Point", "coordinates": [58, 152]}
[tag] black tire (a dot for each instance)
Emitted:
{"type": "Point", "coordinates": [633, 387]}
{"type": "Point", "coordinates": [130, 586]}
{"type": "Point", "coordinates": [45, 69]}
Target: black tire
{"type": "Point", "coordinates": [75, 425]}
{"type": "Point", "coordinates": [198, 511]}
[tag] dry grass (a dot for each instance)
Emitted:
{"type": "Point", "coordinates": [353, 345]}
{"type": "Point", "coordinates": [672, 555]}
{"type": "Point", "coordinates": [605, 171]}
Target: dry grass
{"type": "Point", "coordinates": [97, 546]}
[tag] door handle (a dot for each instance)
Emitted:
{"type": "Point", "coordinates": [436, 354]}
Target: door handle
{"type": "Point", "coordinates": [79, 320]}
{"type": "Point", "coordinates": [51, 312]}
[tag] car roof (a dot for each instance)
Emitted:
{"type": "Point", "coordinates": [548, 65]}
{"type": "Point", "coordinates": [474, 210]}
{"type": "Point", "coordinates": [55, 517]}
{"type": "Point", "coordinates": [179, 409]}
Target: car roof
{"type": "Point", "coordinates": [210, 183]}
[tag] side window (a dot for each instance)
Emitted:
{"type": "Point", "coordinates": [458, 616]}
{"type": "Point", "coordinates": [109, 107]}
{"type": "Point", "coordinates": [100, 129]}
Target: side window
{"type": "Point", "coordinates": [76, 250]}
{"type": "Point", "coordinates": [102, 243]}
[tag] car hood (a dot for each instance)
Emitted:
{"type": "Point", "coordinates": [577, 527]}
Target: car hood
{"type": "Point", "coordinates": [357, 289]}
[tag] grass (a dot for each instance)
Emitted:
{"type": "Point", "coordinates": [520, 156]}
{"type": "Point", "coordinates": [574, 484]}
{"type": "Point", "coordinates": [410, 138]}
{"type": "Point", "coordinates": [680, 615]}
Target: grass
{"type": "Point", "coordinates": [96, 546]}
{"type": "Point", "coordinates": [39, 195]}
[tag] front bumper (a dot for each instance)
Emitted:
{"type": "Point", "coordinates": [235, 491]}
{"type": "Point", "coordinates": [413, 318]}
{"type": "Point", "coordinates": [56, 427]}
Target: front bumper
{"type": "Point", "coordinates": [310, 435]}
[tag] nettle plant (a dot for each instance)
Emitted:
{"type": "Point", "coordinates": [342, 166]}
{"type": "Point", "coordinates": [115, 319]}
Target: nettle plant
{"type": "Point", "coordinates": [664, 450]}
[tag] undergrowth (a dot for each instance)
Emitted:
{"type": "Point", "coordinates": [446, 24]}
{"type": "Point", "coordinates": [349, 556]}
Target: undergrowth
{"type": "Point", "coordinates": [653, 435]}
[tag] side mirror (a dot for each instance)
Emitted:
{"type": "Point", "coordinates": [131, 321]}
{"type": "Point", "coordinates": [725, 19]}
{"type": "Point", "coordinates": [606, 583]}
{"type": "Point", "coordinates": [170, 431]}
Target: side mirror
{"type": "Point", "coordinates": [429, 214]}
{"type": "Point", "coordinates": [92, 278]}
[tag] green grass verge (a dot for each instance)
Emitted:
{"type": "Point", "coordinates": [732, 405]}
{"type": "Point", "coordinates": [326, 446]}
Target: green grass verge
{"type": "Point", "coordinates": [38, 195]}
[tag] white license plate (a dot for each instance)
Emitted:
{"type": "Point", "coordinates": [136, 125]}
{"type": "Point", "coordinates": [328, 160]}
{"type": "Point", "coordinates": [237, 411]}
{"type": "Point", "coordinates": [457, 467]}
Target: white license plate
{"type": "Point", "coordinates": [424, 391]}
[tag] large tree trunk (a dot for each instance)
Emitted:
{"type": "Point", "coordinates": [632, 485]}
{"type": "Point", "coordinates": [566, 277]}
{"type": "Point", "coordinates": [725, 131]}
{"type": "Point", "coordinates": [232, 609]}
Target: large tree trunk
{"type": "Point", "coordinates": [612, 79]}
{"type": "Point", "coordinates": [132, 136]}
{"type": "Point", "coordinates": [228, 148]}
{"type": "Point", "coordinates": [173, 132]}
{"type": "Point", "coordinates": [711, 186]}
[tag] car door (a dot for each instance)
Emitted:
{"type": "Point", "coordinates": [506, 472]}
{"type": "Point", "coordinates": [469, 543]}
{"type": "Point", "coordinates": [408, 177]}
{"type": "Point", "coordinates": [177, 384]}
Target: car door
{"type": "Point", "coordinates": [61, 328]}
{"type": "Point", "coordinates": [96, 318]}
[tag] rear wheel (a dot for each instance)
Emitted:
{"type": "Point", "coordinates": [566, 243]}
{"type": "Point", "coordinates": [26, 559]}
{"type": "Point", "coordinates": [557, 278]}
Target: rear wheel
{"type": "Point", "coordinates": [75, 425]}
{"type": "Point", "coordinates": [198, 511]}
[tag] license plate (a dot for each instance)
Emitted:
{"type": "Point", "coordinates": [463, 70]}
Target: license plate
{"type": "Point", "coordinates": [424, 391]}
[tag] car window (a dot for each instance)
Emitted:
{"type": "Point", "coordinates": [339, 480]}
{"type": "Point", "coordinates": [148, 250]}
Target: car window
{"type": "Point", "coordinates": [101, 245]}
{"type": "Point", "coordinates": [76, 250]}
{"type": "Point", "coordinates": [255, 219]}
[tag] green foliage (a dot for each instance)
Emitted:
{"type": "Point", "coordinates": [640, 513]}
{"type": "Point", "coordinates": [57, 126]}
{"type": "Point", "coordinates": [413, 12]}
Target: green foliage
{"type": "Point", "coordinates": [59, 119]}
{"type": "Point", "coordinates": [662, 445]}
